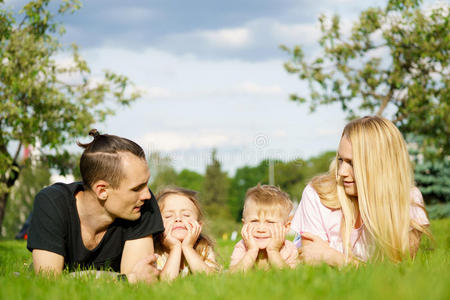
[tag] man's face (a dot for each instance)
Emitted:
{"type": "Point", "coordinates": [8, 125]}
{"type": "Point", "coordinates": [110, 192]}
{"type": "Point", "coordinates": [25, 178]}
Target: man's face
{"type": "Point", "coordinates": [261, 224]}
{"type": "Point", "coordinates": [125, 201]}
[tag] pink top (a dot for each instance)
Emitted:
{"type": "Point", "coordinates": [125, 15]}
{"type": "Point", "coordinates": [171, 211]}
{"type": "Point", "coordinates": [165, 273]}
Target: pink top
{"type": "Point", "coordinates": [313, 217]}
{"type": "Point", "coordinates": [288, 252]}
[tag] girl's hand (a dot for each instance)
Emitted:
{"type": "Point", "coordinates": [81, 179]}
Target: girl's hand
{"type": "Point", "coordinates": [194, 230]}
{"type": "Point", "coordinates": [247, 236]}
{"type": "Point", "coordinates": [278, 232]}
{"type": "Point", "coordinates": [315, 251]}
{"type": "Point", "coordinates": [169, 241]}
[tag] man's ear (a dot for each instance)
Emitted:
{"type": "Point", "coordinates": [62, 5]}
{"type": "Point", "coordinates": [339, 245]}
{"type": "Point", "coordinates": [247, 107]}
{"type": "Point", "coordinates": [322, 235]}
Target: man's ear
{"type": "Point", "coordinates": [100, 189]}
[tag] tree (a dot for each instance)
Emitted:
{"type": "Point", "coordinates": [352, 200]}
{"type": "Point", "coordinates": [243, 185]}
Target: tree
{"type": "Point", "coordinates": [190, 180]}
{"type": "Point", "coordinates": [44, 103]}
{"type": "Point", "coordinates": [162, 172]}
{"type": "Point", "coordinates": [394, 61]}
{"type": "Point", "coordinates": [214, 194]}
{"type": "Point", "coordinates": [245, 178]}
{"type": "Point", "coordinates": [34, 176]}
{"type": "Point", "coordinates": [432, 178]}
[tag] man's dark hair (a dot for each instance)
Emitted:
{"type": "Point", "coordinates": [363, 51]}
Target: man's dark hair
{"type": "Point", "coordinates": [101, 159]}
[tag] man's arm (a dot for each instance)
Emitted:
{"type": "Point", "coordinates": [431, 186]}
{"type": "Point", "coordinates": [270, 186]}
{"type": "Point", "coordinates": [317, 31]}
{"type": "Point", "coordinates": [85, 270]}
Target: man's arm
{"type": "Point", "coordinates": [47, 262]}
{"type": "Point", "coordinates": [137, 260]}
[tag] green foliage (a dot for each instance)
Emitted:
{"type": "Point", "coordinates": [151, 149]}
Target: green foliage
{"type": "Point", "coordinates": [291, 177]}
{"type": "Point", "coordinates": [162, 173]}
{"type": "Point", "coordinates": [433, 179]}
{"type": "Point", "coordinates": [214, 195]}
{"type": "Point", "coordinates": [425, 278]}
{"type": "Point", "coordinates": [35, 175]}
{"type": "Point", "coordinates": [190, 180]}
{"type": "Point", "coordinates": [245, 178]}
{"type": "Point", "coordinates": [438, 211]}
{"type": "Point", "coordinates": [395, 60]}
{"type": "Point", "coordinates": [46, 103]}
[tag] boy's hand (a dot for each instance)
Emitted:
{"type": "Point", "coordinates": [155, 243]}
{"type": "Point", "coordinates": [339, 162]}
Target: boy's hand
{"type": "Point", "coordinates": [194, 230]}
{"type": "Point", "coordinates": [247, 236]}
{"type": "Point", "coordinates": [169, 241]}
{"type": "Point", "coordinates": [277, 241]}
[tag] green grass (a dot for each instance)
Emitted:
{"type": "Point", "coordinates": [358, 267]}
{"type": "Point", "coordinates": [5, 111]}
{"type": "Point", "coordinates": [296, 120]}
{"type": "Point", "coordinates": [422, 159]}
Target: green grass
{"type": "Point", "coordinates": [426, 278]}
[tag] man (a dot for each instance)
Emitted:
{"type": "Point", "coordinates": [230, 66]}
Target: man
{"type": "Point", "coordinates": [106, 222]}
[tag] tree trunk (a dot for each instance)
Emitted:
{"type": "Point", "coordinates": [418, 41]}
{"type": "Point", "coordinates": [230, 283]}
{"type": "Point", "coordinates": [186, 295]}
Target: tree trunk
{"type": "Point", "coordinates": [3, 201]}
{"type": "Point", "coordinates": [9, 181]}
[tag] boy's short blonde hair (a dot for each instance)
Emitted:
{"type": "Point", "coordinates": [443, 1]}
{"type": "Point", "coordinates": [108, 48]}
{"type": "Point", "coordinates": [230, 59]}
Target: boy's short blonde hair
{"type": "Point", "coordinates": [268, 199]}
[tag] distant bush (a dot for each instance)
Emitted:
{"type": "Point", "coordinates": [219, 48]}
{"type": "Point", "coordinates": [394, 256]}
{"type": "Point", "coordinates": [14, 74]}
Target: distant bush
{"type": "Point", "coordinates": [439, 211]}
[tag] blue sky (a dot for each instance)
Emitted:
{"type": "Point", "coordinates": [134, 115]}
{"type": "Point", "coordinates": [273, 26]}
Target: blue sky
{"type": "Point", "coordinates": [213, 75]}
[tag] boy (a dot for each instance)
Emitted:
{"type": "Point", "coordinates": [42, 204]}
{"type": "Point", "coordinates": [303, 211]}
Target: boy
{"type": "Point", "coordinates": [266, 222]}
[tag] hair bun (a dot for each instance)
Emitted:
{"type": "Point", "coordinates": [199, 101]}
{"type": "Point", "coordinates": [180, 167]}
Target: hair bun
{"type": "Point", "coordinates": [94, 133]}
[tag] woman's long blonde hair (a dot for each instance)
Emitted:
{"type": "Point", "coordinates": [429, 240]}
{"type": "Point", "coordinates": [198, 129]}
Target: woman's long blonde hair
{"type": "Point", "coordinates": [204, 242]}
{"type": "Point", "coordinates": [384, 180]}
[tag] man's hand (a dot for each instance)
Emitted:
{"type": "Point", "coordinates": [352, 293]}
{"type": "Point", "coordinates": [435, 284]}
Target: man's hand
{"type": "Point", "coordinates": [144, 271]}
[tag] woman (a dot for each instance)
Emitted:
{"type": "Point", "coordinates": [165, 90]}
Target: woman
{"type": "Point", "coordinates": [366, 206]}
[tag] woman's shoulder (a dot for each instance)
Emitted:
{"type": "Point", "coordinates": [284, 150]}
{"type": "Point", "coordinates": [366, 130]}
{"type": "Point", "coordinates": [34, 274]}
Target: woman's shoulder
{"type": "Point", "coordinates": [310, 193]}
{"type": "Point", "coordinates": [416, 196]}
{"type": "Point", "coordinates": [311, 197]}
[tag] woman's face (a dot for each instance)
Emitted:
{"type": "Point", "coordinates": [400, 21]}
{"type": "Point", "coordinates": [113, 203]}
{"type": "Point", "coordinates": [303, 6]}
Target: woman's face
{"type": "Point", "coordinates": [345, 167]}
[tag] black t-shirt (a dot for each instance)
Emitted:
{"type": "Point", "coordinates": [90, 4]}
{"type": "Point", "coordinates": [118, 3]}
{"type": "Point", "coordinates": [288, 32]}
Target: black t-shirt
{"type": "Point", "coordinates": [55, 227]}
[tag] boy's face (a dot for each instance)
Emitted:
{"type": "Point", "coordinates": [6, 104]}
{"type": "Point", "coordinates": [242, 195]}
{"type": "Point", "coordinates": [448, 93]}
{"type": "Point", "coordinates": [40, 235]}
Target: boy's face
{"type": "Point", "coordinates": [262, 224]}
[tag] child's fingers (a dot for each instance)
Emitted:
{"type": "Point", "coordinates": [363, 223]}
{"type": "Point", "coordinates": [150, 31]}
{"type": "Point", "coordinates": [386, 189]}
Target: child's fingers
{"type": "Point", "coordinates": [243, 229]}
{"type": "Point", "coordinates": [168, 231]}
{"type": "Point", "coordinates": [275, 232]}
{"type": "Point", "coordinates": [197, 228]}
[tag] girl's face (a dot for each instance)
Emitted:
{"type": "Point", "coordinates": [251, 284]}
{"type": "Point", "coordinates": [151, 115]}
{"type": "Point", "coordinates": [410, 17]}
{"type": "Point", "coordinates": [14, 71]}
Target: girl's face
{"type": "Point", "coordinates": [179, 211]}
{"type": "Point", "coordinates": [345, 167]}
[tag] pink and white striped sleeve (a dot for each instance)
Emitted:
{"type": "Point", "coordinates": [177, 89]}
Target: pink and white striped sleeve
{"type": "Point", "coordinates": [310, 215]}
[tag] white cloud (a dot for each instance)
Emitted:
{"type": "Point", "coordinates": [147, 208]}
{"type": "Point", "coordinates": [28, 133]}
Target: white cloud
{"type": "Point", "coordinates": [306, 33]}
{"type": "Point", "coordinates": [228, 37]}
{"type": "Point", "coordinates": [155, 92]}
{"type": "Point", "coordinates": [251, 88]}
{"type": "Point", "coordinates": [323, 132]}
{"type": "Point", "coordinates": [178, 140]}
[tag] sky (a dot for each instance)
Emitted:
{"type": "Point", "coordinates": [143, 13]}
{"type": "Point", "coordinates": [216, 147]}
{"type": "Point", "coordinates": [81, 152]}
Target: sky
{"type": "Point", "coordinates": [212, 75]}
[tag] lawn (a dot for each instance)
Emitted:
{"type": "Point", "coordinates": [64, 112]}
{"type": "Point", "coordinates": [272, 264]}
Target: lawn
{"type": "Point", "coordinates": [425, 278]}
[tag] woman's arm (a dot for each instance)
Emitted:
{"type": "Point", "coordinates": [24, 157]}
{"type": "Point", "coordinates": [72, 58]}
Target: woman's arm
{"type": "Point", "coordinates": [314, 251]}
